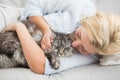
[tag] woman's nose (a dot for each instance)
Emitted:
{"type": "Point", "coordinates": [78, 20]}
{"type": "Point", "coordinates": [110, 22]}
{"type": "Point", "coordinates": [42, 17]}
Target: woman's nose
{"type": "Point", "coordinates": [76, 43]}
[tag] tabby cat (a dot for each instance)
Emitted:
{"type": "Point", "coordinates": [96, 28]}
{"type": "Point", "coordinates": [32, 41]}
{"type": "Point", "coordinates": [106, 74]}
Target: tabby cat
{"type": "Point", "coordinates": [11, 54]}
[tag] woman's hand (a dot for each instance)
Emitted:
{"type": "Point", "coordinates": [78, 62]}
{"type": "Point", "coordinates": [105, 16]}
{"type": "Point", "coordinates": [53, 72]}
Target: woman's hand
{"type": "Point", "coordinates": [41, 23]}
{"type": "Point", "coordinates": [47, 40]}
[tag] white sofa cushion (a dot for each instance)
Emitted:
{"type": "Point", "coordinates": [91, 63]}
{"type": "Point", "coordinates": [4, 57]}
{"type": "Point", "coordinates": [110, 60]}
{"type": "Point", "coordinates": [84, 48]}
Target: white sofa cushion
{"type": "Point", "coordinates": [88, 72]}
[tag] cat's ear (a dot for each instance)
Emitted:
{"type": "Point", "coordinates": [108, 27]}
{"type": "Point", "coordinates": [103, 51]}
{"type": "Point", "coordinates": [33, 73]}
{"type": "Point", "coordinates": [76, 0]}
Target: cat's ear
{"type": "Point", "coordinates": [53, 34]}
{"type": "Point", "coordinates": [70, 37]}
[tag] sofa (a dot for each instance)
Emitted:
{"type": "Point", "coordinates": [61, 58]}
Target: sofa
{"type": "Point", "coordinates": [10, 11]}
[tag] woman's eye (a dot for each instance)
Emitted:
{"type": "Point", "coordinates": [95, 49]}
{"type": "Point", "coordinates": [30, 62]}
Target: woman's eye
{"type": "Point", "coordinates": [83, 49]}
{"type": "Point", "coordinates": [79, 36]}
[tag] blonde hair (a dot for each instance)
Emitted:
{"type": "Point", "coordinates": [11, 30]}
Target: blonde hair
{"type": "Point", "coordinates": [104, 32]}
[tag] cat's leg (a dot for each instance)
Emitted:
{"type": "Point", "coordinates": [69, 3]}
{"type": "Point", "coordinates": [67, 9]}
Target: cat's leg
{"type": "Point", "coordinates": [9, 48]}
{"type": "Point", "coordinates": [8, 43]}
{"type": "Point", "coordinates": [19, 58]}
{"type": "Point", "coordinates": [16, 61]}
{"type": "Point", "coordinates": [6, 62]}
{"type": "Point", "coordinates": [54, 60]}
{"type": "Point", "coordinates": [12, 55]}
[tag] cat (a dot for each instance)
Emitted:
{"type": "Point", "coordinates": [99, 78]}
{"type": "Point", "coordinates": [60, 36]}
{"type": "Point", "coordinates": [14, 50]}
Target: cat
{"type": "Point", "coordinates": [11, 54]}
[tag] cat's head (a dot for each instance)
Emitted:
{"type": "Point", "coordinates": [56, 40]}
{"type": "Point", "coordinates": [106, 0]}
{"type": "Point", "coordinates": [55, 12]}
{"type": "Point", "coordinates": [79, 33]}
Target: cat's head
{"type": "Point", "coordinates": [62, 44]}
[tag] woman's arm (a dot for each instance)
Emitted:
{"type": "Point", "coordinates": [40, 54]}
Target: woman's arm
{"type": "Point", "coordinates": [45, 29]}
{"type": "Point", "coordinates": [33, 53]}
{"type": "Point", "coordinates": [40, 23]}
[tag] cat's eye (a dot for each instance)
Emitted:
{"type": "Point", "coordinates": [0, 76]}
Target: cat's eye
{"type": "Point", "coordinates": [67, 48]}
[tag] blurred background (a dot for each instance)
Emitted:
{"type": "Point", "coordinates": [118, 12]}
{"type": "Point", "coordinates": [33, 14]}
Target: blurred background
{"type": "Point", "coordinates": [111, 6]}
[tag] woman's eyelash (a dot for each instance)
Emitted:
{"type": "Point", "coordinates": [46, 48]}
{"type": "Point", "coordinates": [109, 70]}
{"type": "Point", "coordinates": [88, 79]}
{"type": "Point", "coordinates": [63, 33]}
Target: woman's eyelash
{"type": "Point", "coordinates": [79, 35]}
{"type": "Point", "coordinates": [84, 50]}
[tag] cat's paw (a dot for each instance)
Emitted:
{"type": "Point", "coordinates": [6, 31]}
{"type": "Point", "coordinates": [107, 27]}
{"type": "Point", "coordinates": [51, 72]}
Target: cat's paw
{"type": "Point", "coordinates": [55, 64]}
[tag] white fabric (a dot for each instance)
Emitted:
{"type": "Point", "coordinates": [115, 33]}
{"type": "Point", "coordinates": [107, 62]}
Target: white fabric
{"type": "Point", "coordinates": [87, 72]}
{"type": "Point", "coordinates": [61, 15]}
{"type": "Point", "coordinates": [8, 14]}
{"type": "Point", "coordinates": [71, 62]}
{"type": "Point", "coordinates": [14, 3]}
{"type": "Point", "coordinates": [108, 60]}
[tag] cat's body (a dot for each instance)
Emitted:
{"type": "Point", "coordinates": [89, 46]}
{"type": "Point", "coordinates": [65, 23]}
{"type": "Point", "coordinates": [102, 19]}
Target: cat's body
{"type": "Point", "coordinates": [11, 54]}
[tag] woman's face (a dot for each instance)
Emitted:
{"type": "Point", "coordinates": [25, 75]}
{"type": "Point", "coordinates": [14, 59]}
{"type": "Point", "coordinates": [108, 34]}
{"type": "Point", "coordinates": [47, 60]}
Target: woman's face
{"type": "Point", "coordinates": [82, 42]}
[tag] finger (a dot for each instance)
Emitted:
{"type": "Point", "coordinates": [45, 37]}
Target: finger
{"type": "Point", "coordinates": [48, 43]}
{"type": "Point", "coordinates": [51, 39]}
{"type": "Point", "coordinates": [43, 46]}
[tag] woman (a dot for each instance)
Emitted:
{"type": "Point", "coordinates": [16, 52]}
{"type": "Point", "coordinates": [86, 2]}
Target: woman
{"type": "Point", "coordinates": [61, 16]}
{"type": "Point", "coordinates": [97, 34]}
